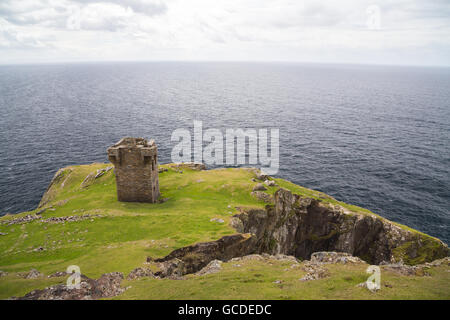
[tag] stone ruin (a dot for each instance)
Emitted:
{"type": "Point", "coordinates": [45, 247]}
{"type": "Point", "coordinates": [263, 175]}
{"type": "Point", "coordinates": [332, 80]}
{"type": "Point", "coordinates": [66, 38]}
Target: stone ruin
{"type": "Point", "coordinates": [136, 168]}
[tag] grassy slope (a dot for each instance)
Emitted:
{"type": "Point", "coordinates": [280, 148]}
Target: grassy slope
{"type": "Point", "coordinates": [127, 233]}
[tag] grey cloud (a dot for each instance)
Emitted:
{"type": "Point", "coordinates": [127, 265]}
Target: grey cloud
{"type": "Point", "coordinates": [147, 7]}
{"type": "Point", "coordinates": [419, 9]}
{"type": "Point", "coordinates": [40, 12]}
{"type": "Point", "coordinates": [33, 13]}
{"type": "Point", "coordinates": [11, 39]}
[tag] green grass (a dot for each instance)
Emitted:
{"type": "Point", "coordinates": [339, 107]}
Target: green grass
{"type": "Point", "coordinates": [256, 280]}
{"type": "Point", "coordinates": [126, 233]}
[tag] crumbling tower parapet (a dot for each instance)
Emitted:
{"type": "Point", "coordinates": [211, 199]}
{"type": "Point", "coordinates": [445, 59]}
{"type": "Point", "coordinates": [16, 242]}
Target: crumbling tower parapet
{"type": "Point", "coordinates": [136, 167]}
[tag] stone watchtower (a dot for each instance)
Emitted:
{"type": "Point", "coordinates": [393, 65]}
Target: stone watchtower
{"type": "Point", "coordinates": [136, 168]}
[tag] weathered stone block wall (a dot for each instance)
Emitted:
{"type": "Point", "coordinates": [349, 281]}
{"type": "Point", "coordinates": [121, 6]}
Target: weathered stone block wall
{"type": "Point", "coordinates": [136, 168]}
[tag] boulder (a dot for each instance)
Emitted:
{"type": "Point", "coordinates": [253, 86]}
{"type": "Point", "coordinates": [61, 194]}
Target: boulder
{"type": "Point", "coordinates": [33, 274]}
{"type": "Point", "coordinates": [212, 267]}
{"type": "Point", "coordinates": [260, 195]}
{"type": "Point", "coordinates": [261, 176]}
{"type": "Point", "coordinates": [259, 187]}
{"type": "Point", "coordinates": [270, 183]}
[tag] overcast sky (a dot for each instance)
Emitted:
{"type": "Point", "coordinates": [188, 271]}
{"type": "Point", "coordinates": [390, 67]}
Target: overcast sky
{"type": "Point", "coordinates": [412, 32]}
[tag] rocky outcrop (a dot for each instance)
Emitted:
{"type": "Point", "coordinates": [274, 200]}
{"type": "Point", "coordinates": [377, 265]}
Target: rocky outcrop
{"type": "Point", "coordinates": [307, 229]}
{"type": "Point", "coordinates": [270, 183]}
{"type": "Point", "coordinates": [193, 258]}
{"type": "Point", "coordinates": [33, 274]}
{"type": "Point", "coordinates": [212, 267]}
{"type": "Point", "coordinates": [260, 175]}
{"type": "Point", "coordinates": [90, 178]}
{"type": "Point", "coordinates": [108, 285]}
{"type": "Point", "coordinates": [315, 267]}
{"type": "Point", "coordinates": [334, 257]}
{"type": "Point", "coordinates": [58, 274]}
{"type": "Point", "coordinates": [314, 271]}
{"type": "Point", "coordinates": [101, 172]}
{"type": "Point", "coordinates": [265, 256]}
{"type": "Point", "coordinates": [139, 273]}
{"type": "Point", "coordinates": [300, 226]}
{"type": "Point", "coordinates": [65, 219]}
{"type": "Point", "coordinates": [303, 228]}
{"type": "Point", "coordinates": [25, 219]}
{"type": "Point", "coordinates": [260, 195]}
{"type": "Point", "coordinates": [259, 187]}
{"type": "Point", "coordinates": [60, 177]}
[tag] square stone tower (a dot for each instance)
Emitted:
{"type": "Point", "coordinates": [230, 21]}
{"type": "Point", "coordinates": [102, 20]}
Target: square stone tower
{"type": "Point", "coordinates": [136, 168]}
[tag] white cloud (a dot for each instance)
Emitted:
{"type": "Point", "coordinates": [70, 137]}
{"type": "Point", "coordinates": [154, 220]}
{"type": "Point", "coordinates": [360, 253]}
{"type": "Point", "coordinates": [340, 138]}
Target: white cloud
{"type": "Point", "coordinates": [411, 31]}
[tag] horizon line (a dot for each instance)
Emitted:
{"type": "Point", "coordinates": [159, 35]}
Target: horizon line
{"type": "Point", "coordinates": [223, 61]}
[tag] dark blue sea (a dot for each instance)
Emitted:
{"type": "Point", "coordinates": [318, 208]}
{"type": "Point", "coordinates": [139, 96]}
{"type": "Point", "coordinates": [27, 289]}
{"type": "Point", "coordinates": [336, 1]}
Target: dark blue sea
{"type": "Point", "coordinates": [373, 136]}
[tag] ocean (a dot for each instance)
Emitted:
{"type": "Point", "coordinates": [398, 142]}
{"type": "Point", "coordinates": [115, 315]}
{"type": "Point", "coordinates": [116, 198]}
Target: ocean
{"type": "Point", "coordinates": [373, 136]}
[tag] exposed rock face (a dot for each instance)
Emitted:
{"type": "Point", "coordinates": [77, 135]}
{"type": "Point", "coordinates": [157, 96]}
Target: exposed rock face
{"type": "Point", "coordinates": [193, 258]}
{"type": "Point", "coordinates": [101, 172]}
{"type": "Point", "coordinates": [334, 257]}
{"type": "Point", "coordinates": [139, 273]}
{"type": "Point", "coordinates": [260, 175]}
{"type": "Point", "coordinates": [33, 274]}
{"type": "Point", "coordinates": [262, 196]}
{"type": "Point", "coordinates": [301, 226]}
{"type": "Point", "coordinates": [314, 272]}
{"type": "Point", "coordinates": [90, 178]}
{"type": "Point", "coordinates": [108, 285]}
{"type": "Point", "coordinates": [60, 176]}
{"type": "Point", "coordinates": [265, 256]}
{"type": "Point", "coordinates": [175, 268]}
{"type": "Point", "coordinates": [259, 187]}
{"type": "Point", "coordinates": [212, 267]}
{"type": "Point", "coordinates": [58, 274]}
